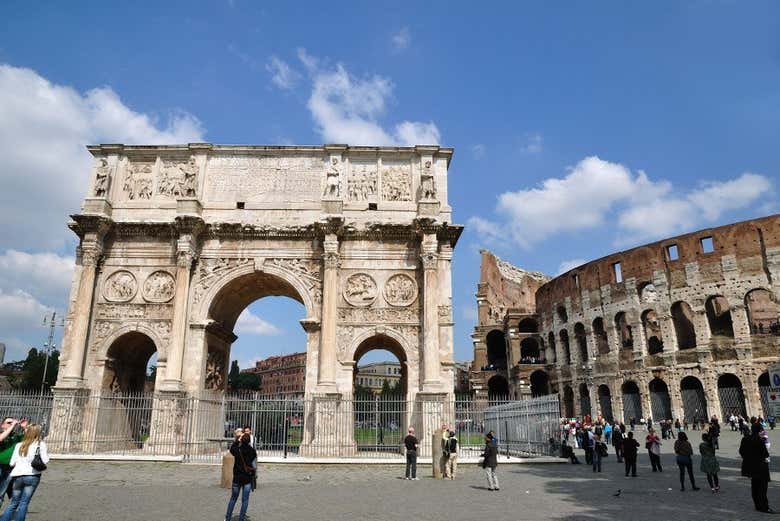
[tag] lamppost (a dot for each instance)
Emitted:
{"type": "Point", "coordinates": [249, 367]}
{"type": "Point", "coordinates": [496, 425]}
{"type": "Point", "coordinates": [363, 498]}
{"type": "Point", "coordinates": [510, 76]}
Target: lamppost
{"type": "Point", "coordinates": [51, 322]}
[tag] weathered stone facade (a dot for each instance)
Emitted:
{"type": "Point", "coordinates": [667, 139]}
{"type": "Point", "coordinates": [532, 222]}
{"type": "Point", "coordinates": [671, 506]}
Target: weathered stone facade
{"type": "Point", "coordinates": [175, 241]}
{"type": "Point", "coordinates": [684, 327]}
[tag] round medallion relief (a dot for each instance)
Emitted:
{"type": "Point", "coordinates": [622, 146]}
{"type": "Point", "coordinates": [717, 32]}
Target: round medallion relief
{"type": "Point", "coordinates": [159, 287]}
{"type": "Point", "coordinates": [120, 286]}
{"type": "Point", "coordinates": [400, 290]}
{"type": "Point", "coordinates": [360, 290]}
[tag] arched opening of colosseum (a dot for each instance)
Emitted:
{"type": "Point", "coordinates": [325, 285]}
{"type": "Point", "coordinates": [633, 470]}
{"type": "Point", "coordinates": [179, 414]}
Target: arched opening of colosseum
{"type": "Point", "coordinates": [582, 341]}
{"type": "Point", "coordinates": [528, 325]}
{"type": "Point", "coordinates": [227, 316]}
{"type": "Point", "coordinates": [647, 293]}
{"type": "Point", "coordinates": [498, 388]}
{"type": "Point", "coordinates": [124, 411]}
{"type": "Point", "coordinates": [127, 366]}
{"type": "Point", "coordinates": [529, 352]}
{"type": "Point", "coordinates": [719, 316]}
{"type": "Point", "coordinates": [605, 402]}
{"type": "Point", "coordinates": [652, 328]}
{"type": "Point", "coordinates": [602, 342]}
{"type": "Point", "coordinates": [762, 312]}
{"type": "Point", "coordinates": [693, 399]}
{"type": "Point", "coordinates": [552, 355]}
{"type": "Point", "coordinates": [584, 400]}
{"type": "Point", "coordinates": [562, 315]}
{"type": "Point", "coordinates": [565, 346]}
{"type": "Point", "coordinates": [682, 318]}
{"type": "Point", "coordinates": [496, 350]}
{"type": "Point", "coordinates": [660, 401]}
{"type": "Point", "coordinates": [732, 396]}
{"type": "Point", "coordinates": [540, 383]}
{"type": "Point", "coordinates": [632, 401]}
{"type": "Point", "coordinates": [624, 331]}
{"type": "Point", "coordinates": [764, 387]}
{"type": "Point", "coordinates": [387, 349]}
{"type": "Point", "coordinates": [568, 401]}
{"type": "Point", "coordinates": [379, 405]}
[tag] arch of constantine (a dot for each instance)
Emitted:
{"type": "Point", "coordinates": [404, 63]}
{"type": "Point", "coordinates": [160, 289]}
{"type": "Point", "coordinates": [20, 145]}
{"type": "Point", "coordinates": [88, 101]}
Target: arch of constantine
{"type": "Point", "coordinates": [176, 241]}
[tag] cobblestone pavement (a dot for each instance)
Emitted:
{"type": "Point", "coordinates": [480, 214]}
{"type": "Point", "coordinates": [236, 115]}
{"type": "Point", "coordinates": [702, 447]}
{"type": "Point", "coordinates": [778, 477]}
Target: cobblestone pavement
{"type": "Point", "coordinates": [160, 491]}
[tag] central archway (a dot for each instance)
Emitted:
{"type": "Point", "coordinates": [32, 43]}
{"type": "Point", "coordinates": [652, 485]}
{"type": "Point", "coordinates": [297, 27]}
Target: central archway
{"type": "Point", "coordinates": [660, 401]}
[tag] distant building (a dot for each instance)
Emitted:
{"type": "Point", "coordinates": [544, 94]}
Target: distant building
{"type": "Point", "coordinates": [2, 353]}
{"type": "Point", "coordinates": [462, 385]}
{"type": "Point", "coordinates": [284, 374]}
{"type": "Point", "coordinates": [374, 375]}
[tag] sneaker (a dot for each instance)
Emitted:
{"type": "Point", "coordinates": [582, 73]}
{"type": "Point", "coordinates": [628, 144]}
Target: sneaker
{"type": "Point", "coordinates": [415, 479]}
{"type": "Point", "coordinates": [407, 478]}
{"type": "Point", "coordinates": [695, 488]}
{"type": "Point", "coordinates": [717, 489]}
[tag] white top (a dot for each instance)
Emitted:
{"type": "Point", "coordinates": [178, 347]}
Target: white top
{"type": "Point", "coordinates": [22, 464]}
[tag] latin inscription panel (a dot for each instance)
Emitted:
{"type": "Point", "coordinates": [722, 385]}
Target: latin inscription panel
{"type": "Point", "coordinates": [264, 179]}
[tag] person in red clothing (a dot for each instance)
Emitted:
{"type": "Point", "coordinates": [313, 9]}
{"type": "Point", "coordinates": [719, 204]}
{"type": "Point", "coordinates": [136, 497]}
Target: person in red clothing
{"type": "Point", "coordinates": [653, 446]}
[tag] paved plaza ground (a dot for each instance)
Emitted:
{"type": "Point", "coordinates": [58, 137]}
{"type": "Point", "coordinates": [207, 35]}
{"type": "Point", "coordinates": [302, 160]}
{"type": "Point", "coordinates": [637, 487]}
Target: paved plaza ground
{"type": "Point", "coordinates": [168, 491]}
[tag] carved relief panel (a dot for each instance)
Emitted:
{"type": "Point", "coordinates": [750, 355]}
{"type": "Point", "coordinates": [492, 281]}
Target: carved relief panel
{"type": "Point", "coordinates": [396, 181]}
{"type": "Point", "coordinates": [178, 178]}
{"type": "Point", "coordinates": [139, 180]}
{"type": "Point", "coordinates": [102, 177]}
{"type": "Point", "coordinates": [120, 286]}
{"type": "Point", "coordinates": [159, 287]}
{"type": "Point", "coordinates": [360, 290]}
{"type": "Point", "coordinates": [264, 179]}
{"type": "Point", "coordinates": [400, 290]}
{"type": "Point", "coordinates": [362, 184]}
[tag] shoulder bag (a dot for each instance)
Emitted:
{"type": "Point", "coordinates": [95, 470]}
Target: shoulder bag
{"type": "Point", "coordinates": [37, 462]}
{"type": "Point", "coordinates": [249, 470]}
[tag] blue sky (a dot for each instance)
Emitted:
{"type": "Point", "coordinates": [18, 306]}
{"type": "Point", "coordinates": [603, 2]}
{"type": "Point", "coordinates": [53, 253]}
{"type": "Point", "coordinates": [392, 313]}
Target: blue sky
{"type": "Point", "coordinates": [579, 128]}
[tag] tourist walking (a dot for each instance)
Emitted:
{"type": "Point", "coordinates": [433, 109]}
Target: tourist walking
{"type": "Point", "coordinates": [411, 444]}
{"type": "Point", "coordinates": [617, 442]}
{"type": "Point", "coordinates": [598, 450]}
{"type": "Point", "coordinates": [452, 456]}
{"type": "Point", "coordinates": [10, 434]}
{"type": "Point", "coordinates": [630, 449]}
{"type": "Point", "coordinates": [244, 475]}
{"type": "Point", "coordinates": [28, 460]}
{"type": "Point", "coordinates": [684, 451]}
{"type": "Point", "coordinates": [755, 463]}
{"type": "Point", "coordinates": [653, 446]}
{"type": "Point", "coordinates": [714, 431]}
{"type": "Point", "coordinates": [490, 460]}
{"type": "Point", "coordinates": [709, 462]}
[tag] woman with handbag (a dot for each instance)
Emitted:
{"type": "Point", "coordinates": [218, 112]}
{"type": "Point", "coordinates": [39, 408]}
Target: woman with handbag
{"type": "Point", "coordinates": [684, 451]}
{"type": "Point", "coordinates": [28, 461]}
{"type": "Point", "coordinates": [244, 475]}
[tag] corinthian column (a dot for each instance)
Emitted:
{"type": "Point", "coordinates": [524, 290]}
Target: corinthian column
{"type": "Point", "coordinates": [74, 341]}
{"type": "Point", "coordinates": [185, 256]}
{"type": "Point", "coordinates": [430, 262]}
{"type": "Point", "coordinates": [330, 288]}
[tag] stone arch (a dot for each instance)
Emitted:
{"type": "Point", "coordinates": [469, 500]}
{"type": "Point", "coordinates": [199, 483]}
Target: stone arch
{"type": "Point", "coordinates": [632, 401]}
{"type": "Point", "coordinates": [660, 401]}
{"type": "Point", "coordinates": [553, 357]}
{"type": "Point", "coordinates": [625, 334]}
{"type": "Point", "coordinates": [762, 311]}
{"type": "Point", "coordinates": [582, 341]}
{"type": "Point", "coordinates": [528, 325]}
{"type": "Point", "coordinates": [138, 327]}
{"type": "Point", "coordinates": [568, 401]}
{"type": "Point", "coordinates": [719, 316]}
{"type": "Point", "coordinates": [732, 396]}
{"type": "Point", "coordinates": [564, 336]}
{"type": "Point", "coordinates": [682, 318]}
{"type": "Point", "coordinates": [126, 358]}
{"type": "Point", "coordinates": [605, 402]}
{"type": "Point", "coordinates": [600, 333]}
{"type": "Point", "coordinates": [385, 340]}
{"type": "Point", "coordinates": [694, 400]}
{"type": "Point", "coordinates": [764, 386]}
{"type": "Point", "coordinates": [647, 293]}
{"type": "Point", "coordinates": [496, 349]}
{"type": "Point", "coordinates": [540, 383]}
{"type": "Point", "coordinates": [498, 388]}
{"type": "Point", "coordinates": [585, 405]}
{"type": "Point", "coordinates": [652, 329]}
{"type": "Point", "coordinates": [530, 352]}
{"type": "Point", "coordinates": [563, 316]}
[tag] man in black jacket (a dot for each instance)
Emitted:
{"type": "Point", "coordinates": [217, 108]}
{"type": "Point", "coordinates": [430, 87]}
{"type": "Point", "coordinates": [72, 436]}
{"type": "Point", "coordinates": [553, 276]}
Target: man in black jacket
{"type": "Point", "coordinates": [755, 456]}
{"type": "Point", "coordinates": [630, 447]}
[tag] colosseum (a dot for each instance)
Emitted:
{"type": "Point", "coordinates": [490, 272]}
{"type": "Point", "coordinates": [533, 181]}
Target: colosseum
{"type": "Point", "coordinates": [681, 328]}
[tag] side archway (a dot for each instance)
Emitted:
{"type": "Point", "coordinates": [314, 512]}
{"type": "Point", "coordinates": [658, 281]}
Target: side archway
{"type": "Point", "coordinates": [694, 400]}
{"type": "Point", "coordinates": [732, 396]}
{"type": "Point", "coordinates": [660, 401]}
{"type": "Point", "coordinates": [632, 401]}
{"type": "Point", "coordinates": [605, 402]}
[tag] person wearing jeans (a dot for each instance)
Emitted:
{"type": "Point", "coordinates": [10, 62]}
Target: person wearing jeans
{"type": "Point", "coordinates": [25, 477]}
{"type": "Point", "coordinates": [243, 474]}
{"type": "Point", "coordinates": [490, 461]}
{"type": "Point", "coordinates": [411, 443]}
{"type": "Point", "coordinates": [653, 445]}
{"type": "Point", "coordinates": [684, 453]}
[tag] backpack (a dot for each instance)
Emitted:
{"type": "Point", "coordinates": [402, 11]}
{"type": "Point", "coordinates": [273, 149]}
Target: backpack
{"type": "Point", "coordinates": [452, 445]}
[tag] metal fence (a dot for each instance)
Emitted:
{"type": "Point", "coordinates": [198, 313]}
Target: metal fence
{"type": "Point", "coordinates": [199, 429]}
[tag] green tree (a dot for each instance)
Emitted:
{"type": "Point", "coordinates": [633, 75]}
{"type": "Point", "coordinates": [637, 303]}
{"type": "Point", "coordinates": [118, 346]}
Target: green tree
{"type": "Point", "coordinates": [247, 381]}
{"type": "Point", "coordinates": [33, 368]}
{"type": "Point", "coordinates": [233, 375]}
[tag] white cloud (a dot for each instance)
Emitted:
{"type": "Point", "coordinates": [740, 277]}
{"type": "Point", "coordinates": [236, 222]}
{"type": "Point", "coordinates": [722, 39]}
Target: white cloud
{"type": "Point", "coordinates": [21, 317]}
{"type": "Point", "coordinates": [567, 265]}
{"type": "Point", "coordinates": [402, 39]}
{"type": "Point", "coordinates": [282, 75]}
{"type": "Point", "coordinates": [533, 143]}
{"type": "Point", "coordinates": [347, 109]}
{"type": "Point", "coordinates": [46, 275]}
{"type": "Point", "coordinates": [43, 130]}
{"type": "Point", "coordinates": [250, 324]}
{"type": "Point", "coordinates": [478, 150]}
{"type": "Point", "coordinates": [595, 190]}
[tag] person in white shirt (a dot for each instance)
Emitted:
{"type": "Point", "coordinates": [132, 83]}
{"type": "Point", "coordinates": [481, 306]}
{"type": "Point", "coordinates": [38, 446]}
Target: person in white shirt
{"type": "Point", "coordinates": [25, 477]}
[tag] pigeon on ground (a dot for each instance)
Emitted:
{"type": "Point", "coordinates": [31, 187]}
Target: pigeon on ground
{"type": "Point", "coordinates": [618, 493]}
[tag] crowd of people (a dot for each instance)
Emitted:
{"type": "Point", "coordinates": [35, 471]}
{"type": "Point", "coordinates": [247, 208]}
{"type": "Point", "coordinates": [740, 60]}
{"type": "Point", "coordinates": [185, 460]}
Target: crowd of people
{"type": "Point", "coordinates": [23, 458]}
{"type": "Point", "coordinates": [594, 437]}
